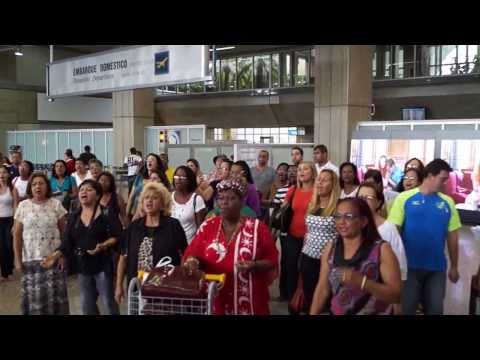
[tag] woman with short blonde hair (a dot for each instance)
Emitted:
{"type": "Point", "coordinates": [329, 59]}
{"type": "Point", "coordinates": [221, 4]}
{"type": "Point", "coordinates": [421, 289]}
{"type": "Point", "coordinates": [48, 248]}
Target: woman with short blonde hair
{"type": "Point", "coordinates": [160, 190]}
{"type": "Point", "coordinates": [151, 237]}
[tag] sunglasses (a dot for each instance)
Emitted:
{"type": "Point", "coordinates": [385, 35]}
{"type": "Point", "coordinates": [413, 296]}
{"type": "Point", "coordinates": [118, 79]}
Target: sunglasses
{"type": "Point", "coordinates": [347, 216]}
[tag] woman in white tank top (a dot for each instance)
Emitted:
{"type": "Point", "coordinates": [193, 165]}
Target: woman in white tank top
{"type": "Point", "coordinates": [8, 204]}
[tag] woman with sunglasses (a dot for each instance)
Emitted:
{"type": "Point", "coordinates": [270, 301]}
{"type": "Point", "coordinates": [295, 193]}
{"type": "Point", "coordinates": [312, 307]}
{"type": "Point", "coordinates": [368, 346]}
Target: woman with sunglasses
{"type": "Point", "coordinates": [415, 164]}
{"type": "Point", "coordinates": [358, 270]}
{"type": "Point", "coordinates": [386, 229]}
{"type": "Point", "coordinates": [187, 207]}
{"type": "Point", "coordinates": [413, 178]}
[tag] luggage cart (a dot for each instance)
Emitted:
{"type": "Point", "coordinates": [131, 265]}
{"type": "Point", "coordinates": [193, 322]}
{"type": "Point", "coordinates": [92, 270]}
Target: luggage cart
{"type": "Point", "coordinates": [142, 305]}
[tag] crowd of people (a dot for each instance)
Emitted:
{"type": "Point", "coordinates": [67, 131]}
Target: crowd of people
{"type": "Point", "coordinates": [347, 245]}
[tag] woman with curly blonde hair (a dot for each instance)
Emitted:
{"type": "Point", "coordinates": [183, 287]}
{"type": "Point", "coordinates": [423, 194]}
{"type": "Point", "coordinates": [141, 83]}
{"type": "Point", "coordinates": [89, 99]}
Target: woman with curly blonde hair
{"type": "Point", "coordinates": [150, 238]}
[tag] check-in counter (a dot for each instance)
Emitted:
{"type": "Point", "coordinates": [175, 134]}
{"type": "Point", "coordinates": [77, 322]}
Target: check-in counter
{"type": "Point", "coordinates": [457, 297]}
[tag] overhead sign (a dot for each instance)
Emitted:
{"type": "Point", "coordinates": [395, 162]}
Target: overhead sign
{"type": "Point", "coordinates": [128, 68]}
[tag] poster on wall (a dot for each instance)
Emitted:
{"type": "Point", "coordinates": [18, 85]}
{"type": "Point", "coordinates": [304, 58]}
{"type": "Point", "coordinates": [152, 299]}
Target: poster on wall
{"type": "Point", "coordinates": [173, 137]}
{"type": "Point", "coordinates": [128, 68]}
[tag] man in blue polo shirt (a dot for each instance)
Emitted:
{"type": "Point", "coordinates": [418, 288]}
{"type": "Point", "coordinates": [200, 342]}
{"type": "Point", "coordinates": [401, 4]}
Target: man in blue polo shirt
{"type": "Point", "coordinates": [428, 219]}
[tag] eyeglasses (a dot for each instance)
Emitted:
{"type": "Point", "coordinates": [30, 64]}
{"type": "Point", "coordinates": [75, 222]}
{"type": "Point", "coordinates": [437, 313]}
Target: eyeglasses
{"type": "Point", "coordinates": [409, 178]}
{"type": "Point", "coordinates": [367, 197]}
{"type": "Point", "coordinates": [176, 177]}
{"type": "Point", "coordinates": [347, 217]}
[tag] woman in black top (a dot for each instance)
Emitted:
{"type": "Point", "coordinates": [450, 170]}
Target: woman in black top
{"type": "Point", "coordinates": [148, 239]}
{"type": "Point", "coordinates": [90, 235]}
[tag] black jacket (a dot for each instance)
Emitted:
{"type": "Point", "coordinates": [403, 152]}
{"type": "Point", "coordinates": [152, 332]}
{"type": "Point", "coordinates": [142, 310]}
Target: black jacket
{"type": "Point", "coordinates": [78, 239]}
{"type": "Point", "coordinates": [168, 240]}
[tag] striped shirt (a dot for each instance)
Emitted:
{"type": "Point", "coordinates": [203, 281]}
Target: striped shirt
{"type": "Point", "coordinates": [280, 195]}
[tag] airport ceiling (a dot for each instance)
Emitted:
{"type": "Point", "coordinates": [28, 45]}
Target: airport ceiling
{"type": "Point", "coordinates": [88, 49]}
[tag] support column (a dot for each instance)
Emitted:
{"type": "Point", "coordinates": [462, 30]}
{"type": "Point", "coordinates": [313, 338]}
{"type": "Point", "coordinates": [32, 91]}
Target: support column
{"type": "Point", "coordinates": [343, 95]}
{"type": "Point", "coordinates": [132, 111]}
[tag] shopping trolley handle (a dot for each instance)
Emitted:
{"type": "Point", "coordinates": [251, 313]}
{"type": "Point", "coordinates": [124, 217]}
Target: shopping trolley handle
{"type": "Point", "coordinates": [220, 278]}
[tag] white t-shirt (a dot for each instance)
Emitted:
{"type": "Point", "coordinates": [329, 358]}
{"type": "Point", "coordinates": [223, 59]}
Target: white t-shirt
{"type": "Point", "coordinates": [77, 178]}
{"type": "Point", "coordinates": [21, 186]}
{"type": "Point", "coordinates": [389, 232]}
{"type": "Point", "coordinates": [184, 213]}
{"type": "Point", "coordinates": [6, 204]}
{"type": "Point", "coordinates": [132, 162]}
{"type": "Point", "coordinates": [353, 194]}
{"type": "Point", "coordinates": [329, 166]}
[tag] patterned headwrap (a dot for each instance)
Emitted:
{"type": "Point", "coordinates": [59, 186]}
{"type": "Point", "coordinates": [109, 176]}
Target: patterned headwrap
{"type": "Point", "coordinates": [233, 185]}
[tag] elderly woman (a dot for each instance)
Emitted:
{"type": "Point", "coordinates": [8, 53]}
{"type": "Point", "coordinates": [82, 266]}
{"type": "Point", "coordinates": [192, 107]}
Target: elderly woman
{"type": "Point", "coordinates": [240, 247]}
{"type": "Point", "coordinates": [90, 235]}
{"type": "Point", "coordinates": [39, 222]}
{"type": "Point", "coordinates": [359, 271]}
{"type": "Point", "coordinates": [413, 178]}
{"type": "Point", "coordinates": [412, 164]}
{"type": "Point", "coordinates": [150, 238]}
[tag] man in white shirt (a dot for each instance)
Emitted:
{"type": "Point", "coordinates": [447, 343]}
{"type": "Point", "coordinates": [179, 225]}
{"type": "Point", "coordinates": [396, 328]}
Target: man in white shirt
{"type": "Point", "coordinates": [320, 157]}
{"type": "Point", "coordinates": [132, 161]}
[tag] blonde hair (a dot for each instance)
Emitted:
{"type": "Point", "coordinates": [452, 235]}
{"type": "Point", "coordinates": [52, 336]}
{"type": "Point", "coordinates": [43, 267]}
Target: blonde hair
{"type": "Point", "coordinates": [312, 167]}
{"type": "Point", "coordinates": [314, 205]}
{"type": "Point", "coordinates": [160, 190]}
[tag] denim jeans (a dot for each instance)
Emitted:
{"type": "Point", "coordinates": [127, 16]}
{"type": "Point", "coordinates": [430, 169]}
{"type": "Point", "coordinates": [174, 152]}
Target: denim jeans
{"type": "Point", "coordinates": [93, 285]}
{"type": "Point", "coordinates": [427, 287]}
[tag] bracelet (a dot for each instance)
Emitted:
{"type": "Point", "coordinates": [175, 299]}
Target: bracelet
{"type": "Point", "coordinates": [364, 281]}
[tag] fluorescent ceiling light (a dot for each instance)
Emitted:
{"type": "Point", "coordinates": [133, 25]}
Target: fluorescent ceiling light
{"type": "Point", "coordinates": [18, 52]}
{"type": "Point", "coordinates": [224, 48]}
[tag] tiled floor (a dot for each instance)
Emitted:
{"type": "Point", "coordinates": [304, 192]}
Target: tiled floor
{"type": "Point", "coordinates": [456, 301]}
{"type": "Point", "coordinates": [10, 299]}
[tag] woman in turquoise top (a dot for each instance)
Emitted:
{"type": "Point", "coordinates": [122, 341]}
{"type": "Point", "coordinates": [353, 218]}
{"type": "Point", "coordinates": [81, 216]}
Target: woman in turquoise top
{"type": "Point", "coordinates": [63, 186]}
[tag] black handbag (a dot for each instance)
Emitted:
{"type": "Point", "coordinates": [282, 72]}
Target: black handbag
{"type": "Point", "coordinates": [286, 215]}
{"type": "Point", "coordinates": [276, 218]}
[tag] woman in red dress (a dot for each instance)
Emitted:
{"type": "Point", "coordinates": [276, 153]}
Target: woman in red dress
{"type": "Point", "coordinates": [240, 247]}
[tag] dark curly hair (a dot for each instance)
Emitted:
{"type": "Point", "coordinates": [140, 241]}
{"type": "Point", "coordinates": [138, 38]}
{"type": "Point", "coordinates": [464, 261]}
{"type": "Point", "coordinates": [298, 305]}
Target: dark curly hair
{"type": "Point", "coordinates": [355, 173]}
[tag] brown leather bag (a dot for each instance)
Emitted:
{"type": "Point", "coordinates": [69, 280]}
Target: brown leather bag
{"type": "Point", "coordinates": [167, 282]}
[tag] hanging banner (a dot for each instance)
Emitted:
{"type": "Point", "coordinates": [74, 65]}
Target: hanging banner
{"type": "Point", "coordinates": [128, 68]}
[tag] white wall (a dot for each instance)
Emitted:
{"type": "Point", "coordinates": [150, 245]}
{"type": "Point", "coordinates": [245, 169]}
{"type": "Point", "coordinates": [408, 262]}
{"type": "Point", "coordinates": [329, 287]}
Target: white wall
{"type": "Point", "coordinates": [75, 109]}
